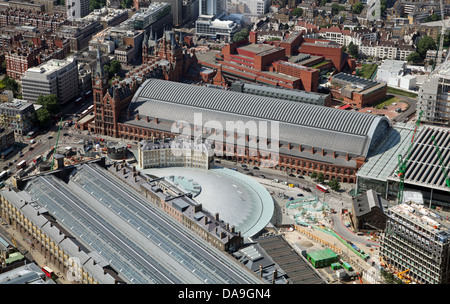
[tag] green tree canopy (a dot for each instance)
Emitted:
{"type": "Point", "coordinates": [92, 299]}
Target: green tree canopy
{"type": "Point", "coordinates": [320, 177]}
{"type": "Point", "coordinates": [353, 50]}
{"type": "Point", "coordinates": [334, 184]}
{"type": "Point", "coordinates": [297, 12]}
{"type": "Point", "coordinates": [49, 103]}
{"type": "Point", "coordinates": [96, 4]}
{"type": "Point", "coordinates": [425, 44]}
{"type": "Point", "coordinates": [113, 68]}
{"type": "Point", "coordinates": [126, 4]}
{"type": "Point", "coordinates": [433, 17]}
{"type": "Point", "coordinates": [414, 57]}
{"type": "Point", "coordinates": [43, 117]}
{"type": "Point", "coordinates": [336, 8]}
{"type": "Point", "coordinates": [241, 35]}
{"type": "Point", "coordinates": [357, 8]}
{"type": "Point", "coordinates": [10, 84]}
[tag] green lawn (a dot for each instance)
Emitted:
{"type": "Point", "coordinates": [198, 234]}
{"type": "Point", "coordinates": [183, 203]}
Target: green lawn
{"type": "Point", "coordinates": [367, 70]}
{"type": "Point", "coordinates": [401, 92]}
{"type": "Point", "coordinates": [386, 101]}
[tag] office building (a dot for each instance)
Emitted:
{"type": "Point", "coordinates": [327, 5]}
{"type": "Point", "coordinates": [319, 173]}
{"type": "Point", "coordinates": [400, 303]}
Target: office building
{"type": "Point", "coordinates": [416, 240]}
{"type": "Point", "coordinates": [216, 8]}
{"type": "Point", "coordinates": [433, 97]}
{"type": "Point", "coordinates": [210, 27]}
{"type": "Point", "coordinates": [59, 77]}
{"type": "Point", "coordinates": [77, 9]}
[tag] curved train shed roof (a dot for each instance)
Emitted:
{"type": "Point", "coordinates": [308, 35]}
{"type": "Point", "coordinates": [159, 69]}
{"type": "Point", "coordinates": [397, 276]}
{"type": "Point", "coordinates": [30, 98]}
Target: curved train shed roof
{"type": "Point", "coordinates": [316, 126]}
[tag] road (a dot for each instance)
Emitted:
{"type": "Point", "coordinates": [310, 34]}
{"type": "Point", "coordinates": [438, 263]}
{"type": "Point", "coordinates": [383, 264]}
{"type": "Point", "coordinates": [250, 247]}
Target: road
{"type": "Point", "coordinates": [410, 111]}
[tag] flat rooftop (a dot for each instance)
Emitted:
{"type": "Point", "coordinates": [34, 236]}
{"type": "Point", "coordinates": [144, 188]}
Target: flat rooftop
{"type": "Point", "coordinates": [51, 66]}
{"type": "Point", "coordinates": [257, 48]}
{"type": "Point", "coordinates": [422, 216]}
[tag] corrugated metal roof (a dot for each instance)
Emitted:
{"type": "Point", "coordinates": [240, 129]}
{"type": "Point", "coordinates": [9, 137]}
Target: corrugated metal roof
{"type": "Point", "coordinates": [312, 125]}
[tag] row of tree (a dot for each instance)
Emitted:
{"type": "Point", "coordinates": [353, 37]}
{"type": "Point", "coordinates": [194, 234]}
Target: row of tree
{"type": "Point", "coordinates": [97, 4]}
{"type": "Point", "coordinates": [320, 178]}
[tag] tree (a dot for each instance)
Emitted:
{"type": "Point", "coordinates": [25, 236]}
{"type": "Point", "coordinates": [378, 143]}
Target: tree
{"type": "Point", "coordinates": [43, 117]}
{"type": "Point", "coordinates": [357, 9]}
{"type": "Point", "coordinates": [433, 17]}
{"type": "Point", "coordinates": [49, 103]}
{"type": "Point", "coordinates": [241, 35]}
{"type": "Point", "coordinates": [126, 4]}
{"type": "Point", "coordinates": [313, 175]}
{"type": "Point", "coordinates": [414, 57]}
{"type": "Point", "coordinates": [353, 50]}
{"type": "Point", "coordinates": [425, 44]}
{"type": "Point", "coordinates": [113, 68]}
{"type": "Point", "coordinates": [446, 39]}
{"type": "Point", "coordinates": [297, 12]}
{"type": "Point", "coordinates": [336, 8]}
{"type": "Point", "coordinates": [10, 84]}
{"type": "Point", "coordinates": [320, 177]}
{"type": "Point", "coordinates": [96, 4]}
{"type": "Point", "coordinates": [334, 184]}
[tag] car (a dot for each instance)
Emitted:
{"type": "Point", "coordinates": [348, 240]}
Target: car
{"type": "Point", "coordinates": [250, 173]}
{"type": "Point", "coordinates": [262, 176]}
{"type": "Point", "coordinates": [291, 198]}
{"type": "Point", "coordinates": [66, 134]}
{"type": "Point", "coordinates": [218, 161]}
{"type": "Point", "coordinates": [301, 177]}
{"type": "Point", "coordinates": [234, 169]}
{"type": "Point", "coordinates": [291, 175]}
{"type": "Point", "coordinates": [5, 167]}
{"type": "Point", "coordinates": [246, 169]}
{"type": "Point", "coordinates": [32, 141]}
{"type": "Point", "coordinates": [31, 148]}
{"type": "Point", "coordinates": [244, 166]}
{"type": "Point", "coordinates": [307, 189]}
{"type": "Point", "coordinates": [49, 137]}
{"type": "Point", "coordinates": [299, 194]}
{"type": "Point", "coordinates": [10, 164]}
{"type": "Point", "coordinates": [255, 168]}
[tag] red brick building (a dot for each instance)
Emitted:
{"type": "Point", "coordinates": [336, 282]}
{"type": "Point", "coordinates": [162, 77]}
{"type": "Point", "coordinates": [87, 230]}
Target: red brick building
{"type": "Point", "coordinates": [18, 61]}
{"type": "Point", "coordinates": [330, 50]}
{"type": "Point", "coordinates": [356, 91]}
{"type": "Point", "coordinates": [275, 63]}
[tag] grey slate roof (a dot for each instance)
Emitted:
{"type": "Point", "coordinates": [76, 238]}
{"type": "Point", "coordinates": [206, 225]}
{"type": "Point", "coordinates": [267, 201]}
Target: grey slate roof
{"type": "Point", "coordinates": [317, 126]}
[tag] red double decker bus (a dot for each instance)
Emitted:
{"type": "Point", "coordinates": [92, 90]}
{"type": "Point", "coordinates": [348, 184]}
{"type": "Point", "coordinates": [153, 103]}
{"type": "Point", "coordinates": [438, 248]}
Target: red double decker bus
{"type": "Point", "coordinates": [322, 188]}
{"type": "Point", "coordinates": [48, 271]}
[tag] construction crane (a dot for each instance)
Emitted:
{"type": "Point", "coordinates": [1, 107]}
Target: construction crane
{"type": "Point", "coordinates": [444, 171]}
{"type": "Point", "coordinates": [438, 60]}
{"type": "Point", "coordinates": [56, 145]}
{"type": "Point", "coordinates": [403, 162]}
{"type": "Point", "coordinates": [402, 277]}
